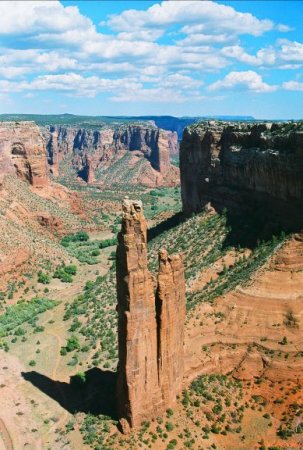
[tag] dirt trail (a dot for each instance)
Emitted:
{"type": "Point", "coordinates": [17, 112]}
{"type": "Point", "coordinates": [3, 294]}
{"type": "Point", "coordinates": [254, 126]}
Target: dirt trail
{"type": "Point", "coordinates": [5, 437]}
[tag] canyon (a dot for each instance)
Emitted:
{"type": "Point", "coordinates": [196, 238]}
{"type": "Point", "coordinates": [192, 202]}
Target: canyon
{"type": "Point", "coordinates": [120, 328]}
{"type": "Point", "coordinates": [93, 153]}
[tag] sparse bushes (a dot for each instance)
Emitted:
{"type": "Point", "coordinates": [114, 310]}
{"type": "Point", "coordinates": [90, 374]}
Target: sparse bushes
{"type": "Point", "coordinates": [43, 277]}
{"type": "Point", "coordinates": [23, 311]}
{"type": "Point", "coordinates": [81, 236]}
{"type": "Point", "coordinates": [65, 273]}
{"type": "Point", "coordinates": [108, 243]}
{"type": "Point", "coordinates": [72, 344]}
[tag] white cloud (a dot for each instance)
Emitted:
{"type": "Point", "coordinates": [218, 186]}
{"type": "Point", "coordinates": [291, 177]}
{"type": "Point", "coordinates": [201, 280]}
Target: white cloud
{"type": "Point", "coordinates": [283, 28]}
{"type": "Point", "coordinates": [198, 39]}
{"type": "Point", "coordinates": [237, 52]}
{"type": "Point", "coordinates": [202, 16]}
{"type": "Point", "coordinates": [293, 86]}
{"type": "Point", "coordinates": [70, 83]}
{"type": "Point", "coordinates": [284, 54]}
{"type": "Point", "coordinates": [156, 95]}
{"type": "Point", "coordinates": [18, 17]}
{"type": "Point", "coordinates": [61, 49]}
{"type": "Point", "coordinates": [180, 81]}
{"type": "Point", "coordinates": [242, 80]}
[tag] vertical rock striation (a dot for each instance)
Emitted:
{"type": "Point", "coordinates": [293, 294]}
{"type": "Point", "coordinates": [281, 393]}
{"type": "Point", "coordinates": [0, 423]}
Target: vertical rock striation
{"type": "Point", "coordinates": [22, 151]}
{"type": "Point", "coordinates": [151, 330]}
{"type": "Point", "coordinates": [138, 393]}
{"type": "Point", "coordinates": [92, 151]}
{"type": "Point", "coordinates": [231, 164]}
{"type": "Point", "coordinates": [170, 307]}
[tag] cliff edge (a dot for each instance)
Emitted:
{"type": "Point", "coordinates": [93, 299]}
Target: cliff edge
{"type": "Point", "coordinates": [228, 164]}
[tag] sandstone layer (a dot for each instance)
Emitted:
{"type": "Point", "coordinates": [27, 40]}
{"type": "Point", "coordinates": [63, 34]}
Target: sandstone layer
{"type": "Point", "coordinates": [229, 164]}
{"type": "Point", "coordinates": [151, 329]}
{"type": "Point", "coordinates": [90, 151]}
{"type": "Point", "coordinates": [255, 330]}
{"type": "Point", "coordinates": [22, 152]}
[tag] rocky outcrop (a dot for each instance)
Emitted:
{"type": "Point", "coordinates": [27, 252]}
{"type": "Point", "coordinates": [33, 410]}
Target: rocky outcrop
{"type": "Point", "coordinates": [151, 330]}
{"type": "Point", "coordinates": [170, 308]}
{"type": "Point", "coordinates": [92, 151]}
{"type": "Point", "coordinates": [229, 164]}
{"type": "Point", "coordinates": [22, 151]}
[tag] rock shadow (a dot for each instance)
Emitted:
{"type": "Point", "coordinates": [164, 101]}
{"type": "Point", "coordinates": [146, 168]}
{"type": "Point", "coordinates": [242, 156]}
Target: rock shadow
{"type": "Point", "coordinates": [250, 225]}
{"type": "Point", "coordinates": [96, 396]}
{"type": "Point", "coordinates": [167, 224]}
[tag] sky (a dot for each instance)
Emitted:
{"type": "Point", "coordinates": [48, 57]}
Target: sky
{"type": "Point", "coordinates": [183, 58]}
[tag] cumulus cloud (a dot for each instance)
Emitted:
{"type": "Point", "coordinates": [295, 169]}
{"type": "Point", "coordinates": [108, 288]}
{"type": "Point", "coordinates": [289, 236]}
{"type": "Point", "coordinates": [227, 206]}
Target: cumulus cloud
{"type": "Point", "coordinates": [242, 80]}
{"type": "Point", "coordinates": [201, 16]}
{"type": "Point", "coordinates": [70, 83]}
{"type": "Point", "coordinates": [293, 86]}
{"type": "Point", "coordinates": [284, 54]}
{"type": "Point", "coordinates": [37, 16]}
{"type": "Point", "coordinates": [56, 48]}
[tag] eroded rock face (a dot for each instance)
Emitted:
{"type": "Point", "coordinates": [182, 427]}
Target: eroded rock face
{"type": "Point", "coordinates": [101, 148]}
{"type": "Point", "coordinates": [151, 330]}
{"type": "Point", "coordinates": [22, 151]}
{"type": "Point", "coordinates": [170, 308]}
{"type": "Point", "coordinates": [231, 163]}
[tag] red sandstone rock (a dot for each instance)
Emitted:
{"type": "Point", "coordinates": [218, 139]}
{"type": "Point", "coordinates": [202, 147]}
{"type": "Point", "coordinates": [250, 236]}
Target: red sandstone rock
{"type": "Point", "coordinates": [91, 149]}
{"type": "Point", "coordinates": [22, 151]}
{"type": "Point", "coordinates": [170, 306]}
{"type": "Point", "coordinates": [150, 368]}
{"type": "Point", "coordinates": [232, 163]}
{"type": "Point", "coordinates": [138, 394]}
{"type": "Point", "coordinates": [52, 223]}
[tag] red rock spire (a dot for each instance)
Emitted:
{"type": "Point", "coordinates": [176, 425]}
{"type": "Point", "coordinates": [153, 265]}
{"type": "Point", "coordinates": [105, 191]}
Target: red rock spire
{"type": "Point", "coordinates": [150, 366]}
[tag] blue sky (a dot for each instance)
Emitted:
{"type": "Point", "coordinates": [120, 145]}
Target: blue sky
{"type": "Point", "coordinates": [146, 57]}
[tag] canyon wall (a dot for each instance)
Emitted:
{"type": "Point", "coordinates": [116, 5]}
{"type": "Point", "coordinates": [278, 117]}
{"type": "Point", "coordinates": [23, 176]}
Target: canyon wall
{"type": "Point", "coordinates": [228, 164]}
{"type": "Point", "coordinates": [93, 150]}
{"type": "Point", "coordinates": [22, 152]}
{"type": "Point", "coordinates": [150, 328]}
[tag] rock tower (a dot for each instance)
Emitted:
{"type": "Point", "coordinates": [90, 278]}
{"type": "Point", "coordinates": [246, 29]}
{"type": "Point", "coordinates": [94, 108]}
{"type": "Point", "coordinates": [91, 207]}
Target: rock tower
{"type": "Point", "coordinates": [150, 325]}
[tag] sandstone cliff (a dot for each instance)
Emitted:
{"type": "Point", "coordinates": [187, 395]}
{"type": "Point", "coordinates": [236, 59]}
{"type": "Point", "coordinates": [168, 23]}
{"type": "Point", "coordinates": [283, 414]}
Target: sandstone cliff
{"type": "Point", "coordinates": [22, 151]}
{"type": "Point", "coordinates": [231, 163]}
{"type": "Point", "coordinates": [151, 330]}
{"type": "Point", "coordinates": [92, 152]}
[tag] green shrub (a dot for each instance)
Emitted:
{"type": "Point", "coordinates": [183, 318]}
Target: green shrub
{"type": "Point", "coordinates": [72, 344]}
{"type": "Point", "coordinates": [81, 236]}
{"type": "Point", "coordinates": [43, 278]}
{"type": "Point", "coordinates": [169, 426]}
{"type": "Point", "coordinates": [22, 312]}
{"type": "Point", "coordinates": [79, 379]}
{"type": "Point", "coordinates": [71, 269]}
{"type": "Point", "coordinates": [64, 273]}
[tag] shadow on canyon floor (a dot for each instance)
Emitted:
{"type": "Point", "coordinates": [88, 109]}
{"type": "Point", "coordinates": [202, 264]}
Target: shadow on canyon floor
{"type": "Point", "coordinates": [247, 225]}
{"type": "Point", "coordinates": [166, 225]}
{"type": "Point", "coordinates": [96, 396]}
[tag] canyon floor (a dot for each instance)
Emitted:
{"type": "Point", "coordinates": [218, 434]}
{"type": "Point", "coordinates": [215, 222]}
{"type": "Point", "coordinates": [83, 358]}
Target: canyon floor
{"type": "Point", "coordinates": [243, 387]}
